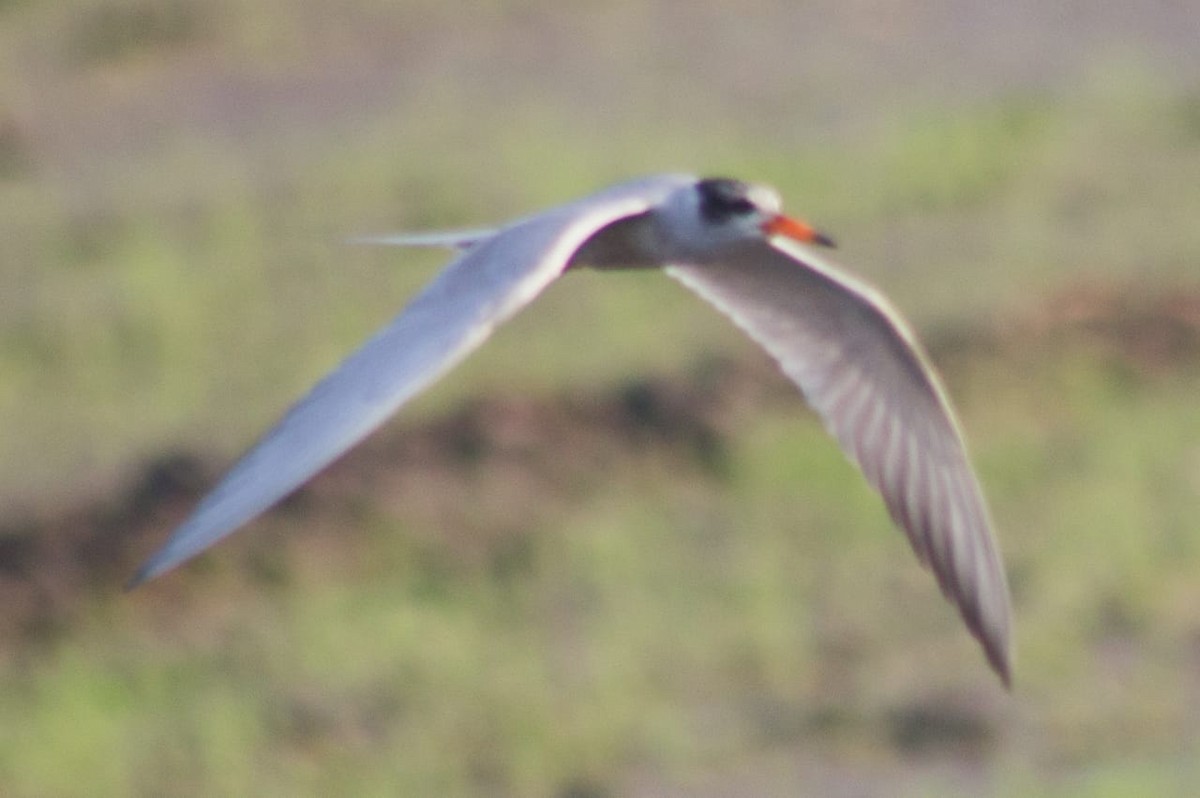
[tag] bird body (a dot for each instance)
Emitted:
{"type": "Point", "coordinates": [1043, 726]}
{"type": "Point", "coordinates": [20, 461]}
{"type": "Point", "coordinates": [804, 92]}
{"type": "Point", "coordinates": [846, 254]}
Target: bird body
{"type": "Point", "coordinates": [837, 338]}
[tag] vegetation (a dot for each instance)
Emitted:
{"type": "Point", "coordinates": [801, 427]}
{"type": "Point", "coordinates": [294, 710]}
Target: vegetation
{"type": "Point", "coordinates": [612, 554]}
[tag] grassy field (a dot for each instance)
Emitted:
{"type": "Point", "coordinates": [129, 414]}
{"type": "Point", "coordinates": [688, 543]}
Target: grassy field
{"type": "Point", "coordinates": [587, 564]}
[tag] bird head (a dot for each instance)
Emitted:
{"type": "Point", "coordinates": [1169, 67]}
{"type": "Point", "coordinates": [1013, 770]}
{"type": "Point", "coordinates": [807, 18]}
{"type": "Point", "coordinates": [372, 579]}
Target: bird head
{"type": "Point", "coordinates": [719, 211]}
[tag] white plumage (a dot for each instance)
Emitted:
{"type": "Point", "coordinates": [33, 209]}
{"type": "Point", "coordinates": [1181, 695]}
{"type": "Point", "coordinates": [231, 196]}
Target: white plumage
{"type": "Point", "coordinates": [850, 353]}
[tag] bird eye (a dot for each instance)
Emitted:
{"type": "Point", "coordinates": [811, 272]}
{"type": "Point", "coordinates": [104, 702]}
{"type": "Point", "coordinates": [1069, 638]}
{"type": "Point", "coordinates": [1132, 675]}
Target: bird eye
{"type": "Point", "coordinates": [721, 199]}
{"type": "Point", "coordinates": [740, 207]}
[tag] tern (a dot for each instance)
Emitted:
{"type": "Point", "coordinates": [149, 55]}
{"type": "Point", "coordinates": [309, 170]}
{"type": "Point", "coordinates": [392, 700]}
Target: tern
{"type": "Point", "coordinates": [851, 354]}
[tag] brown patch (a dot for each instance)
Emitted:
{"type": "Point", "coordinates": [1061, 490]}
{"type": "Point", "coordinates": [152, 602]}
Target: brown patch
{"type": "Point", "coordinates": [945, 725]}
{"type": "Point", "coordinates": [478, 479]}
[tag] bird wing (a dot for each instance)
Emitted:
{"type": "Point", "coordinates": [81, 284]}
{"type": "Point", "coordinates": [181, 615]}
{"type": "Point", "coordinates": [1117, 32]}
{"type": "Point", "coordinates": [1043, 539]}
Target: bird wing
{"type": "Point", "coordinates": [452, 316]}
{"type": "Point", "coordinates": [860, 366]}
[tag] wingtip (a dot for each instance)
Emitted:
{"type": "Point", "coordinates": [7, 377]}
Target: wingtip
{"type": "Point", "coordinates": [154, 567]}
{"type": "Point", "coordinates": [996, 645]}
{"type": "Point", "coordinates": [991, 629]}
{"type": "Point", "coordinates": [1000, 661]}
{"type": "Point", "coordinates": [141, 576]}
{"type": "Point", "coordinates": [991, 626]}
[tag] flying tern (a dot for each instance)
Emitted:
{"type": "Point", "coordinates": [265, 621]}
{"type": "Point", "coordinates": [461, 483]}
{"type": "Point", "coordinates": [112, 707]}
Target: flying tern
{"type": "Point", "coordinates": [836, 337]}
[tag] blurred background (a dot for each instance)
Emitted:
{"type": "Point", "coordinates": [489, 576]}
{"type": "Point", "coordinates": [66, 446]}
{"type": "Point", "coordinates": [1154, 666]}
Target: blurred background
{"type": "Point", "coordinates": [613, 554]}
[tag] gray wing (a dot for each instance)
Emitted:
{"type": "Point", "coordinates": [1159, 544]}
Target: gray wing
{"type": "Point", "coordinates": [451, 317]}
{"type": "Point", "coordinates": [859, 366]}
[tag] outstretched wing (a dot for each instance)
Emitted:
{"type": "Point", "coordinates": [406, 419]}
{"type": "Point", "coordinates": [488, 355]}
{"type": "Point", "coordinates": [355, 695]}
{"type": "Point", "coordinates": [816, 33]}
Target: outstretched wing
{"type": "Point", "coordinates": [452, 316]}
{"type": "Point", "coordinates": [859, 365]}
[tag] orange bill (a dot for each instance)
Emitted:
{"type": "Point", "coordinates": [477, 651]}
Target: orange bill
{"type": "Point", "coordinates": [796, 230]}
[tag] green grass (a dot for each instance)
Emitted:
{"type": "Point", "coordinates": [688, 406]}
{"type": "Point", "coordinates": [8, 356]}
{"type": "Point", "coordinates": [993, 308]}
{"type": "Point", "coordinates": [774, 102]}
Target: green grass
{"type": "Point", "coordinates": [594, 621]}
{"type": "Point", "coordinates": [665, 620]}
{"type": "Point", "coordinates": [125, 333]}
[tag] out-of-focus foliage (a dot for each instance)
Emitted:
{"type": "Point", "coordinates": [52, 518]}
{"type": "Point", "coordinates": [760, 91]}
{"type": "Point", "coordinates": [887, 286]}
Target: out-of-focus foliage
{"type": "Point", "coordinates": [578, 593]}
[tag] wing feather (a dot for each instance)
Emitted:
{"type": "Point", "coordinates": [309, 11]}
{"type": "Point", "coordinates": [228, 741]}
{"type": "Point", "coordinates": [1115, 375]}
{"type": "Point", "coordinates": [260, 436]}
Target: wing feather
{"type": "Point", "coordinates": [860, 367]}
{"type": "Point", "coordinates": [453, 315]}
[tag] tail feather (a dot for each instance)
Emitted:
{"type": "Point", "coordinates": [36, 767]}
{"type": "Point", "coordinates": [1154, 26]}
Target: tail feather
{"type": "Point", "coordinates": [454, 239]}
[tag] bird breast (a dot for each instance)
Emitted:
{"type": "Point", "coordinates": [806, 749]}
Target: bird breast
{"type": "Point", "coordinates": [629, 243]}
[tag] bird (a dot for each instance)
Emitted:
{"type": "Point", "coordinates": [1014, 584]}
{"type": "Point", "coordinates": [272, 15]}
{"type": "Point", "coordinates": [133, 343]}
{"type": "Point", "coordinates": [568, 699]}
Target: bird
{"type": "Point", "coordinates": [854, 358]}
